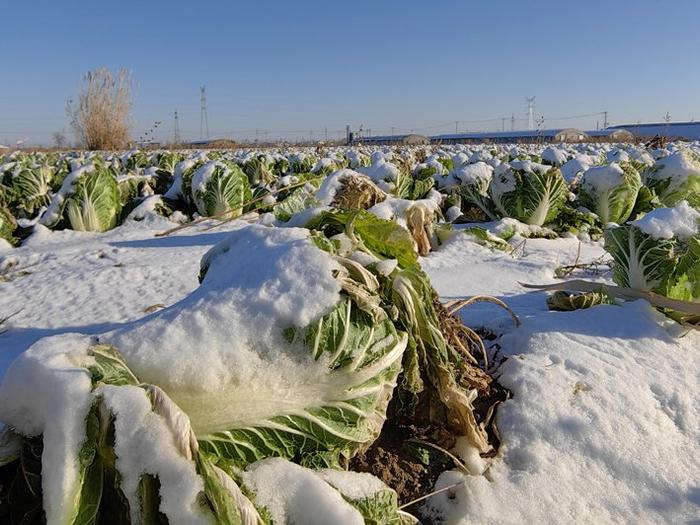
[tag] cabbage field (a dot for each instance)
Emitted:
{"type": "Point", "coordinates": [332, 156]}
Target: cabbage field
{"type": "Point", "coordinates": [384, 335]}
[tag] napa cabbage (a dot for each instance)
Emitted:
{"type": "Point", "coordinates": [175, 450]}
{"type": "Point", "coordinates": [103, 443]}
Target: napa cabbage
{"type": "Point", "coordinates": [529, 192]}
{"type": "Point", "coordinates": [475, 180]}
{"type": "Point", "coordinates": [32, 187]}
{"type": "Point", "coordinates": [659, 252]}
{"type": "Point", "coordinates": [219, 188]}
{"type": "Point", "coordinates": [7, 225]}
{"type": "Point", "coordinates": [610, 191]}
{"type": "Point", "coordinates": [89, 200]}
{"type": "Point", "coordinates": [675, 178]}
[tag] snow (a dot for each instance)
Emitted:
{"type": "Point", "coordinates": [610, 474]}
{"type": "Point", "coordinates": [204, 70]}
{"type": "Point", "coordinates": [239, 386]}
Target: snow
{"type": "Point", "coordinates": [395, 209]}
{"type": "Point", "coordinates": [474, 173]}
{"type": "Point", "coordinates": [290, 492]}
{"type": "Point", "coordinates": [602, 425]}
{"type": "Point", "coordinates": [146, 208]}
{"type": "Point", "coordinates": [381, 170]}
{"type": "Point", "coordinates": [46, 391]}
{"type": "Point", "coordinates": [331, 185]}
{"type": "Point", "coordinates": [617, 155]}
{"type": "Point", "coordinates": [604, 416]}
{"type": "Point", "coordinates": [681, 221]}
{"type": "Point", "coordinates": [145, 445]}
{"type": "Point", "coordinates": [353, 485]}
{"type": "Point", "coordinates": [555, 156]}
{"type": "Point", "coordinates": [53, 212]}
{"type": "Point", "coordinates": [677, 167]}
{"type": "Point", "coordinates": [528, 166]}
{"type": "Point", "coordinates": [572, 169]}
{"type": "Point", "coordinates": [259, 281]}
{"type": "Point", "coordinates": [201, 177]}
{"type": "Point", "coordinates": [602, 179]}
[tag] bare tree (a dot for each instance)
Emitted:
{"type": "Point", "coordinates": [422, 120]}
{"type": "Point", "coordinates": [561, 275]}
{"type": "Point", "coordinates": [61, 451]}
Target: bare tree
{"type": "Point", "coordinates": [101, 115]}
{"type": "Point", "coordinates": [59, 139]}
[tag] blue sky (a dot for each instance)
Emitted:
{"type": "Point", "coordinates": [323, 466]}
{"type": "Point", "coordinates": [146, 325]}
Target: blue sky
{"type": "Point", "coordinates": [292, 67]}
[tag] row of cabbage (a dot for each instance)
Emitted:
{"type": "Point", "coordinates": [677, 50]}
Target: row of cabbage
{"type": "Point", "coordinates": [585, 190]}
{"type": "Point", "coordinates": [563, 187]}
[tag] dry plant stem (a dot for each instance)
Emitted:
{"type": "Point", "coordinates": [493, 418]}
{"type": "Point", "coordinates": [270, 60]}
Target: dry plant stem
{"type": "Point", "coordinates": [431, 494]}
{"type": "Point", "coordinates": [579, 285]}
{"type": "Point", "coordinates": [456, 306]}
{"type": "Point", "coordinates": [3, 320]}
{"type": "Point", "coordinates": [465, 352]}
{"type": "Point", "coordinates": [454, 458]}
{"type": "Point", "coordinates": [476, 339]}
{"type": "Point", "coordinates": [571, 267]}
{"type": "Point", "coordinates": [518, 247]}
{"type": "Point", "coordinates": [223, 214]}
{"type": "Point", "coordinates": [240, 217]}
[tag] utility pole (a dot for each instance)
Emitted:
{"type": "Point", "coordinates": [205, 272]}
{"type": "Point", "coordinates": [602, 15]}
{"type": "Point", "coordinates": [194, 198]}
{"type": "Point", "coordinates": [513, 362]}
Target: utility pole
{"type": "Point", "coordinates": [176, 136]}
{"type": "Point", "coordinates": [456, 126]}
{"type": "Point", "coordinates": [203, 119]}
{"type": "Point", "coordinates": [392, 130]}
{"type": "Point", "coordinates": [605, 119]}
{"type": "Point", "coordinates": [512, 122]}
{"type": "Point", "coordinates": [325, 130]}
{"type": "Point", "coordinates": [503, 123]}
{"type": "Point", "coordinates": [540, 129]}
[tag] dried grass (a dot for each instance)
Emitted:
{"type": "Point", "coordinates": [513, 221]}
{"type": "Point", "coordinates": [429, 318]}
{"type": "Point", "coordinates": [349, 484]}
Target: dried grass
{"type": "Point", "coordinates": [100, 116]}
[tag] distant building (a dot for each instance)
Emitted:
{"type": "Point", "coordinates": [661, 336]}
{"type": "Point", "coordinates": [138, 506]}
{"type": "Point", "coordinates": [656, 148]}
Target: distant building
{"type": "Point", "coordinates": [612, 135]}
{"type": "Point", "coordinates": [3, 149]}
{"type": "Point", "coordinates": [545, 135]}
{"type": "Point", "coordinates": [409, 140]}
{"type": "Point", "coordinates": [671, 130]}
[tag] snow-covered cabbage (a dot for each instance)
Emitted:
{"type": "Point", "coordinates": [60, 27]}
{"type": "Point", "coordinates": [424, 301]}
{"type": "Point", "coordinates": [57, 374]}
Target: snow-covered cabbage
{"type": "Point", "coordinates": [301, 362]}
{"type": "Point", "coordinates": [94, 203]}
{"type": "Point", "coordinates": [327, 165]}
{"type": "Point", "coordinates": [659, 252]}
{"type": "Point", "coordinates": [135, 159]}
{"type": "Point", "coordinates": [554, 156]}
{"type": "Point", "coordinates": [610, 191]}
{"type": "Point", "coordinates": [259, 169]}
{"type": "Point", "coordinates": [530, 192]}
{"type": "Point", "coordinates": [219, 188]}
{"type": "Point", "coordinates": [301, 162]}
{"type": "Point", "coordinates": [675, 178]}
{"type": "Point", "coordinates": [167, 160]}
{"type": "Point", "coordinates": [181, 185]}
{"type": "Point", "coordinates": [475, 180]}
{"type": "Point", "coordinates": [89, 200]}
{"type": "Point", "coordinates": [288, 491]}
{"type": "Point", "coordinates": [32, 187]}
{"type": "Point", "coordinates": [357, 159]}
